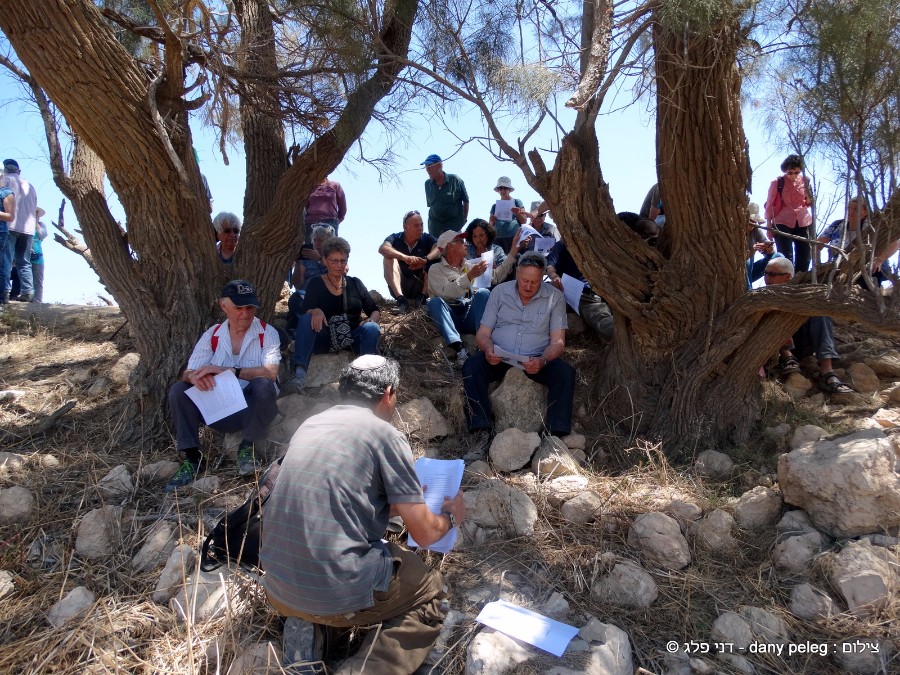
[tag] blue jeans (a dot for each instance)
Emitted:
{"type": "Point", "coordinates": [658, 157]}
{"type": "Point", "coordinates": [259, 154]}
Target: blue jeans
{"type": "Point", "coordinates": [19, 249]}
{"type": "Point", "coordinates": [454, 319]}
{"type": "Point", "coordinates": [5, 261]}
{"type": "Point", "coordinates": [308, 342]}
{"type": "Point", "coordinates": [558, 376]}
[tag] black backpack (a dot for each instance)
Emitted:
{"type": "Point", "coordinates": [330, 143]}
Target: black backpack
{"type": "Point", "coordinates": [236, 537]}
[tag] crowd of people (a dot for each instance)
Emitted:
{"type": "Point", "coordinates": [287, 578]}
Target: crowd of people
{"type": "Point", "coordinates": [21, 237]}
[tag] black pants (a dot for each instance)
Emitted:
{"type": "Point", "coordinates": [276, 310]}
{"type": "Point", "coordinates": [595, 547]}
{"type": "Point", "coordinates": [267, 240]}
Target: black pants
{"type": "Point", "coordinates": [798, 252]}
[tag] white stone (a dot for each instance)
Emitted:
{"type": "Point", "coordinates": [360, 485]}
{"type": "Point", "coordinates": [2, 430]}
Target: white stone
{"type": "Point", "coordinates": [889, 418]}
{"type": "Point", "coordinates": [738, 662]}
{"type": "Point", "coordinates": [714, 464]}
{"type": "Point", "coordinates": [793, 523]}
{"type": "Point", "coordinates": [512, 449]}
{"type": "Point", "coordinates": [553, 460]}
{"type": "Point", "coordinates": [7, 586]}
{"type": "Point", "coordinates": [178, 568]}
{"type": "Point", "coordinates": [894, 394]}
{"type": "Point", "coordinates": [865, 581]}
{"type": "Point", "coordinates": [660, 540]}
{"type": "Point", "coordinates": [757, 508]}
{"type": "Point", "coordinates": [811, 604]}
{"type": "Point", "coordinates": [864, 656]}
{"type": "Point", "coordinates": [849, 485]}
{"type": "Point", "coordinates": [556, 605]}
{"type": "Point", "coordinates": [885, 364]}
{"type": "Point", "coordinates": [16, 505]}
{"type": "Point", "coordinates": [583, 508]}
{"type": "Point", "coordinates": [684, 511]}
{"type": "Point", "coordinates": [494, 504]}
{"type": "Point", "coordinates": [421, 419]}
{"type": "Point", "coordinates": [445, 640]}
{"type": "Point", "coordinates": [519, 402]}
{"type": "Point", "coordinates": [47, 461]}
{"type": "Point", "coordinates": [156, 549]}
{"type": "Point", "coordinates": [575, 441]}
{"type": "Point", "coordinates": [714, 531]}
{"type": "Point", "coordinates": [808, 433]}
{"type": "Point", "coordinates": [610, 649]}
{"type": "Point", "coordinates": [863, 379]}
{"type": "Point", "coordinates": [117, 483]}
{"type": "Point", "coordinates": [76, 604]}
{"type": "Point", "coordinates": [478, 470]}
{"type": "Point", "coordinates": [203, 597]}
{"type": "Point", "coordinates": [206, 486]}
{"type": "Point", "coordinates": [797, 385]}
{"type": "Point", "coordinates": [765, 626]}
{"type": "Point", "coordinates": [493, 653]}
{"type": "Point", "coordinates": [559, 490]}
{"type": "Point", "coordinates": [627, 585]}
{"type": "Point", "coordinates": [795, 554]}
{"type": "Point", "coordinates": [100, 532]}
{"type": "Point", "coordinates": [263, 658]}
{"type": "Point", "coordinates": [121, 371]}
{"type": "Point", "coordinates": [326, 368]}
{"type": "Point", "coordinates": [732, 627]}
{"type": "Point", "coordinates": [157, 472]}
{"type": "Point", "coordinates": [11, 460]}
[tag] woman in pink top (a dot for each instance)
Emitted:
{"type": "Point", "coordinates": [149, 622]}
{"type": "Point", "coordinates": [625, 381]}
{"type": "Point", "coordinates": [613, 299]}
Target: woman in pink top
{"type": "Point", "coordinates": [787, 210]}
{"type": "Point", "coordinates": [327, 205]}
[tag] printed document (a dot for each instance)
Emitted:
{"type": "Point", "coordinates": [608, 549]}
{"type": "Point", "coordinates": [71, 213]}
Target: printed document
{"type": "Point", "coordinates": [572, 289]}
{"type": "Point", "coordinates": [483, 280]}
{"type": "Point", "coordinates": [512, 359]}
{"type": "Point", "coordinates": [523, 624]}
{"type": "Point", "coordinates": [225, 399]}
{"type": "Point", "coordinates": [503, 209]}
{"type": "Point", "coordinates": [440, 478]}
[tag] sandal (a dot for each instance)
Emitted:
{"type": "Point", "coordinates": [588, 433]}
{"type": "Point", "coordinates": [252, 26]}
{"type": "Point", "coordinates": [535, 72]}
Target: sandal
{"type": "Point", "coordinates": [789, 365]}
{"type": "Point", "coordinates": [833, 385]}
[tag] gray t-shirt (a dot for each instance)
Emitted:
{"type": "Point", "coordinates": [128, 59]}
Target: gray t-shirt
{"type": "Point", "coordinates": [323, 523]}
{"type": "Point", "coordinates": [524, 329]}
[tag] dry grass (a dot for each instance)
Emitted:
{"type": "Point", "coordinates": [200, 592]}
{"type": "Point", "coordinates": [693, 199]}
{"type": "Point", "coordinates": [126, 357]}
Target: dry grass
{"type": "Point", "coordinates": [127, 633]}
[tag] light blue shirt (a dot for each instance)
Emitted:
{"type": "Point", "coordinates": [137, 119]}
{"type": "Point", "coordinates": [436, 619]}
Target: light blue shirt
{"type": "Point", "coordinates": [524, 329]}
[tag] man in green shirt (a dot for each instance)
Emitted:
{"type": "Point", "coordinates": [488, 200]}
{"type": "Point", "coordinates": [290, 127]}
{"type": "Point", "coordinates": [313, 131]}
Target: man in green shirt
{"type": "Point", "coordinates": [446, 197]}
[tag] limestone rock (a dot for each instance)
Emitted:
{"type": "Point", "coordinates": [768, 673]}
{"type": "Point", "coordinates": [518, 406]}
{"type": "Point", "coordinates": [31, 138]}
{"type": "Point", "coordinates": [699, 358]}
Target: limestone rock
{"type": "Point", "coordinates": [295, 409]}
{"type": "Point", "coordinates": [100, 532]}
{"type": "Point", "coordinates": [865, 657]}
{"type": "Point", "coordinates": [512, 449]}
{"type": "Point", "coordinates": [660, 540]}
{"type": "Point", "coordinates": [713, 464]}
{"type": "Point", "coordinates": [757, 508]}
{"type": "Point", "coordinates": [157, 472]}
{"type": "Point", "coordinates": [477, 470]}
{"type": "Point", "coordinates": [714, 531]}
{"type": "Point", "coordinates": [811, 604]}
{"type": "Point", "coordinates": [81, 375]}
{"type": "Point", "coordinates": [16, 505]}
{"type": "Point", "coordinates": [583, 508]}
{"type": "Point", "coordinates": [178, 568]}
{"type": "Point", "coordinates": [263, 658]}
{"type": "Point", "coordinates": [797, 385]}
{"type": "Point", "coordinates": [894, 394]}
{"type": "Point", "coordinates": [76, 604]}
{"type": "Point", "coordinates": [518, 402]}
{"type": "Point", "coordinates": [156, 549]}
{"type": "Point", "coordinates": [553, 460]}
{"type": "Point", "coordinates": [99, 387]}
{"type": "Point", "coordinates": [849, 485]}
{"type": "Point", "coordinates": [863, 378]}
{"type": "Point", "coordinates": [326, 368]}
{"type": "Point", "coordinates": [422, 420]}
{"type": "Point", "coordinates": [732, 627]}
{"type": "Point", "coordinates": [886, 364]}
{"type": "Point", "coordinates": [626, 585]}
{"type": "Point", "coordinates": [793, 523]}
{"type": "Point", "coordinates": [684, 511]}
{"type": "Point", "coordinates": [777, 435]}
{"type": "Point", "coordinates": [808, 433]}
{"type": "Point", "coordinates": [559, 490]}
{"type": "Point", "coordinates": [7, 586]}
{"type": "Point", "coordinates": [889, 418]}
{"type": "Point", "coordinates": [493, 653]}
{"type": "Point", "coordinates": [795, 554]}
{"type": "Point", "coordinates": [738, 663]}
{"type": "Point", "coordinates": [575, 441]}
{"type": "Point", "coordinates": [494, 504]}
{"type": "Point", "coordinates": [116, 483]}
{"type": "Point", "coordinates": [11, 460]}
{"type": "Point", "coordinates": [556, 605]}
{"type": "Point", "coordinates": [863, 578]}
{"type": "Point", "coordinates": [206, 486]}
{"type": "Point", "coordinates": [765, 626]}
{"type": "Point", "coordinates": [203, 597]}
{"type": "Point", "coordinates": [120, 373]}
{"type": "Point", "coordinates": [610, 649]}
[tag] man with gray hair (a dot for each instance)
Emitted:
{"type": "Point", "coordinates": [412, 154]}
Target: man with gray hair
{"type": "Point", "coordinates": [523, 325]}
{"type": "Point", "coordinates": [346, 472]}
{"type": "Point", "coordinates": [21, 232]}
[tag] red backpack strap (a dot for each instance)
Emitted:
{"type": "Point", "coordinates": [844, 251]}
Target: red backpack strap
{"type": "Point", "coordinates": [214, 339]}
{"type": "Point", "coordinates": [262, 335]}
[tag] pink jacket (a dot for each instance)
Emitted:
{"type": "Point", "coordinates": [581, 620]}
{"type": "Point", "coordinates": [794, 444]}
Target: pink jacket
{"type": "Point", "coordinates": [793, 203]}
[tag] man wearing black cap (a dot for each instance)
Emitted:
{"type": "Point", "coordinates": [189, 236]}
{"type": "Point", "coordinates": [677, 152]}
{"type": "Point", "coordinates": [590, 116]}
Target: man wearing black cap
{"type": "Point", "coordinates": [446, 197]}
{"type": "Point", "coordinates": [252, 351]}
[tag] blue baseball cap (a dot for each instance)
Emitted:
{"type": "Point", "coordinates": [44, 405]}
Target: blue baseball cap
{"type": "Point", "coordinates": [241, 293]}
{"type": "Point", "coordinates": [431, 159]}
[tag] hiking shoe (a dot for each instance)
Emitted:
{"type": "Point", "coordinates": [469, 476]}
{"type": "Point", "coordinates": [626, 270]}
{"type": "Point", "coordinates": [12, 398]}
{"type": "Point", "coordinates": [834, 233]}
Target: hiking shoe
{"type": "Point", "coordinates": [304, 647]}
{"type": "Point", "coordinates": [294, 385]}
{"type": "Point", "coordinates": [402, 304]}
{"type": "Point", "coordinates": [247, 462]}
{"type": "Point", "coordinates": [479, 445]}
{"type": "Point", "coordinates": [461, 357]}
{"type": "Point", "coordinates": [185, 475]}
{"type": "Point", "coordinates": [25, 297]}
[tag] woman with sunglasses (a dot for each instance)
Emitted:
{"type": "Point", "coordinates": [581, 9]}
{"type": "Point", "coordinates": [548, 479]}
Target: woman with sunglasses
{"type": "Point", "coordinates": [329, 298]}
{"type": "Point", "coordinates": [787, 211]}
{"type": "Point", "coordinates": [228, 229]}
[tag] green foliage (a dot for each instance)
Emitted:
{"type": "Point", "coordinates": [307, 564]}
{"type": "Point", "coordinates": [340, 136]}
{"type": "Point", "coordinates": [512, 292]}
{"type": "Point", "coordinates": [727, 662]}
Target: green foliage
{"type": "Point", "coordinates": [138, 11]}
{"type": "Point", "coordinates": [698, 17]}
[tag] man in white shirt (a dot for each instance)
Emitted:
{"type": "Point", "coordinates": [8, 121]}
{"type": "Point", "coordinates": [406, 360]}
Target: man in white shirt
{"type": "Point", "coordinates": [21, 231]}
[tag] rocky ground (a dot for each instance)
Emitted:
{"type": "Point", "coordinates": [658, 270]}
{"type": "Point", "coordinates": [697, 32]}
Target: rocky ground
{"type": "Point", "coordinates": [780, 556]}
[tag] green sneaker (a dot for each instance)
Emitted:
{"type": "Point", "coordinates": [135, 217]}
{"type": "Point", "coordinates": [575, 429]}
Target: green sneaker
{"type": "Point", "coordinates": [247, 462]}
{"type": "Point", "coordinates": [185, 475]}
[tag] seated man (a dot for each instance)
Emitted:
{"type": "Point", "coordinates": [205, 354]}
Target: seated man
{"type": "Point", "coordinates": [591, 307]}
{"type": "Point", "coordinates": [405, 255]}
{"type": "Point", "coordinates": [346, 472]}
{"type": "Point", "coordinates": [525, 317]}
{"type": "Point", "coordinates": [252, 351]}
{"type": "Point", "coordinates": [814, 336]}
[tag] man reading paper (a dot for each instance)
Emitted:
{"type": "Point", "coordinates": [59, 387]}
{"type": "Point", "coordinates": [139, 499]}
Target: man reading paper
{"type": "Point", "coordinates": [528, 318]}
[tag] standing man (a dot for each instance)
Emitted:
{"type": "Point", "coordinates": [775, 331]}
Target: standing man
{"type": "Point", "coordinates": [446, 197]}
{"type": "Point", "coordinates": [21, 231]}
{"type": "Point", "coordinates": [405, 255]}
{"type": "Point", "coordinates": [252, 351]}
{"type": "Point", "coordinates": [346, 472]}
{"type": "Point", "coordinates": [526, 318]}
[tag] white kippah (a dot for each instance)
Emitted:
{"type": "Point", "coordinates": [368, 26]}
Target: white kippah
{"type": "Point", "coordinates": [368, 362]}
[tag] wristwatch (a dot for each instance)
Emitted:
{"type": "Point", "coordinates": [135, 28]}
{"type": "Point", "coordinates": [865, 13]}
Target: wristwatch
{"type": "Point", "coordinates": [237, 373]}
{"type": "Point", "coordinates": [451, 517]}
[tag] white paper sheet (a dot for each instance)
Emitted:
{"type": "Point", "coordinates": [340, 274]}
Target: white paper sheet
{"type": "Point", "coordinates": [572, 289]}
{"type": "Point", "coordinates": [440, 478]}
{"type": "Point", "coordinates": [543, 245]}
{"type": "Point", "coordinates": [512, 359]}
{"type": "Point", "coordinates": [503, 209]}
{"type": "Point", "coordinates": [528, 231]}
{"type": "Point", "coordinates": [523, 624]}
{"type": "Point", "coordinates": [483, 280]}
{"type": "Point", "coordinates": [225, 399]}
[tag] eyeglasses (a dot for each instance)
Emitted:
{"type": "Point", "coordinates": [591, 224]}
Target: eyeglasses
{"type": "Point", "coordinates": [336, 261]}
{"type": "Point", "coordinates": [793, 172]}
{"type": "Point", "coordinates": [231, 230]}
{"type": "Point", "coordinates": [777, 274]}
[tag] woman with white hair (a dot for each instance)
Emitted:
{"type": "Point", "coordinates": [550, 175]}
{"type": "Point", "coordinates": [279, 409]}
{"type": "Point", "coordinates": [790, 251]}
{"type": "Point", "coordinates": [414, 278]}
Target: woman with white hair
{"type": "Point", "coordinates": [228, 229]}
